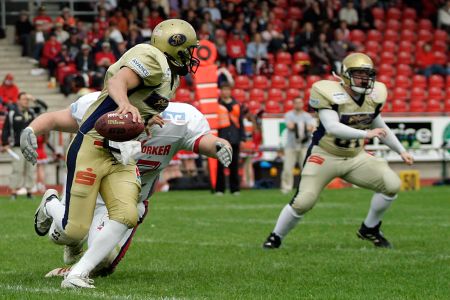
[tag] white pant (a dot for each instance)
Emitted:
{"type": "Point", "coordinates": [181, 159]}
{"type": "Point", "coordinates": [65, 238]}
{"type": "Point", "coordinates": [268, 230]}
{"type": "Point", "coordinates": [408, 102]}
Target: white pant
{"type": "Point", "coordinates": [291, 156]}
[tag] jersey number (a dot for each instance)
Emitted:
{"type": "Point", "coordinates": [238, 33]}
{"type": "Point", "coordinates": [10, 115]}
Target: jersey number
{"type": "Point", "coordinates": [353, 143]}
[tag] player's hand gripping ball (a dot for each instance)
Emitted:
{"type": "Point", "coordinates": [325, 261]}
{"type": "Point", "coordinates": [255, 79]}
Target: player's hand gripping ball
{"type": "Point", "coordinates": [117, 129]}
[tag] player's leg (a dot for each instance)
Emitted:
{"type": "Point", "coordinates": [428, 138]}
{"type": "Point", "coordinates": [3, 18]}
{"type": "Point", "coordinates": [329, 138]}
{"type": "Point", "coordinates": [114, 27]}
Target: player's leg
{"type": "Point", "coordinates": [234, 170]}
{"type": "Point", "coordinates": [286, 175]}
{"type": "Point", "coordinates": [120, 191]}
{"type": "Point", "coordinates": [320, 168]}
{"type": "Point", "coordinates": [374, 173]}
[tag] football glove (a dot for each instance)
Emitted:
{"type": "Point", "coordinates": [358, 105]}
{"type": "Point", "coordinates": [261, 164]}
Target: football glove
{"type": "Point", "coordinates": [224, 153]}
{"type": "Point", "coordinates": [28, 145]}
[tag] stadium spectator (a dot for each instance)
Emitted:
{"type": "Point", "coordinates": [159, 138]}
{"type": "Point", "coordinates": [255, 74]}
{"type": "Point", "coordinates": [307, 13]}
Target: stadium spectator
{"type": "Point", "coordinates": [134, 37]}
{"type": "Point", "coordinates": [38, 40]}
{"type": "Point", "coordinates": [426, 61]}
{"type": "Point", "coordinates": [120, 21]}
{"type": "Point", "coordinates": [314, 13]}
{"type": "Point", "coordinates": [204, 32]}
{"type": "Point", "coordinates": [155, 18]}
{"type": "Point", "coordinates": [349, 14]}
{"type": "Point", "coordinates": [231, 128]}
{"type": "Point", "coordinates": [299, 125]}
{"type": "Point", "coordinates": [307, 37]}
{"type": "Point", "coordinates": [257, 52]}
{"type": "Point", "coordinates": [61, 34]}
{"type": "Point", "coordinates": [43, 19]}
{"type": "Point", "coordinates": [321, 56]}
{"type": "Point", "coordinates": [365, 15]}
{"type": "Point", "coordinates": [215, 13]}
{"type": "Point", "coordinates": [102, 19]}
{"type": "Point", "coordinates": [73, 43]}
{"type": "Point", "coordinates": [95, 34]}
{"type": "Point", "coordinates": [23, 32]}
{"type": "Point", "coordinates": [146, 31]}
{"type": "Point", "coordinates": [236, 50]}
{"type": "Point", "coordinates": [66, 19]}
{"type": "Point", "coordinates": [114, 33]}
{"type": "Point", "coordinates": [340, 48]}
{"type": "Point", "coordinates": [61, 60]}
{"type": "Point", "coordinates": [18, 118]}
{"type": "Point", "coordinates": [9, 92]}
{"type": "Point", "coordinates": [140, 12]}
{"type": "Point", "coordinates": [51, 49]}
{"type": "Point", "coordinates": [104, 58]}
{"type": "Point", "coordinates": [84, 60]}
{"type": "Point", "coordinates": [191, 17]}
{"type": "Point", "coordinates": [291, 37]}
{"type": "Point", "coordinates": [343, 26]}
{"type": "Point", "coordinates": [443, 20]}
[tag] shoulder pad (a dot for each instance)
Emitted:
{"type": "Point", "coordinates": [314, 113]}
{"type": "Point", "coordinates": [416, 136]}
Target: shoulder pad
{"type": "Point", "coordinates": [379, 93]}
{"type": "Point", "coordinates": [325, 93]}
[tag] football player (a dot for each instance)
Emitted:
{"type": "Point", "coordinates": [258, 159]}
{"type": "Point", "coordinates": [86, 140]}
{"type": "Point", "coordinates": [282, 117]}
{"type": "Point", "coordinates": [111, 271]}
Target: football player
{"type": "Point", "coordinates": [141, 82]}
{"type": "Point", "coordinates": [185, 128]}
{"type": "Point", "coordinates": [349, 112]}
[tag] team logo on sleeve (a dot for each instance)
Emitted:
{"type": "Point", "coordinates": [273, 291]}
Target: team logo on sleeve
{"type": "Point", "coordinates": [177, 39]}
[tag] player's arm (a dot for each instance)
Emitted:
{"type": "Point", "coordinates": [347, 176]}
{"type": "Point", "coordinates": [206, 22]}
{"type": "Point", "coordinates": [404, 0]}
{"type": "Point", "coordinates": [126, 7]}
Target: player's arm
{"type": "Point", "coordinates": [118, 86]}
{"type": "Point", "coordinates": [61, 120]}
{"type": "Point", "coordinates": [330, 120]}
{"type": "Point", "coordinates": [215, 147]}
{"type": "Point", "coordinates": [391, 140]}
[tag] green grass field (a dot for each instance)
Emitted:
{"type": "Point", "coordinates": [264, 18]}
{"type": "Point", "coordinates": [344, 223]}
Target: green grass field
{"type": "Point", "coordinates": [194, 245]}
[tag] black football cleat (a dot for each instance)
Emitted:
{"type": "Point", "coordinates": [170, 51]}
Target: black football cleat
{"type": "Point", "coordinates": [273, 241]}
{"type": "Point", "coordinates": [374, 235]}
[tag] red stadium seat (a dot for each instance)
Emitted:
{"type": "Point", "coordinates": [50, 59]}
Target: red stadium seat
{"type": "Point", "coordinates": [409, 13]}
{"type": "Point", "coordinates": [418, 94]}
{"type": "Point", "coordinates": [311, 79]}
{"type": "Point", "coordinates": [435, 93]}
{"type": "Point", "coordinates": [387, 58]}
{"type": "Point", "coordinates": [297, 82]}
{"type": "Point", "coordinates": [278, 82]}
{"type": "Point", "coordinates": [254, 106]}
{"type": "Point", "coordinates": [408, 35]}
{"type": "Point", "coordinates": [441, 58]}
{"type": "Point", "coordinates": [242, 82]}
{"type": "Point", "coordinates": [282, 70]}
{"type": "Point", "coordinates": [436, 81]}
{"type": "Point", "coordinates": [402, 82]}
{"type": "Point", "coordinates": [399, 106]}
{"type": "Point", "coordinates": [447, 81]}
{"type": "Point", "coordinates": [260, 82]}
{"type": "Point", "coordinates": [288, 105]}
{"type": "Point", "coordinates": [379, 24]}
{"type": "Point", "coordinates": [275, 95]}
{"type": "Point", "coordinates": [393, 24]}
{"type": "Point", "coordinates": [374, 35]}
{"type": "Point", "coordinates": [440, 35]}
{"type": "Point", "coordinates": [409, 24]}
{"type": "Point", "coordinates": [389, 46]}
{"type": "Point", "coordinates": [405, 46]}
{"type": "Point", "coordinates": [283, 58]}
{"type": "Point", "coordinates": [273, 107]}
{"type": "Point", "coordinates": [256, 95]}
{"type": "Point", "coordinates": [404, 58]}
{"type": "Point", "coordinates": [295, 13]}
{"type": "Point", "coordinates": [404, 70]}
{"type": "Point", "coordinates": [417, 106]}
{"type": "Point", "coordinates": [280, 13]}
{"type": "Point", "coordinates": [447, 105]}
{"type": "Point", "coordinates": [378, 13]}
{"type": "Point", "coordinates": [183, 95]}
{"type": "Point", "coordinates": [374, 56]}
{"type": "Point", "coordinates": [447, 91]}
{"type": "Point", "coordinates": [391, 35]}
{"type": "Point", "coordinates": [239, 95]}
{"type": "Point", "coordinates": [372, 46]}
{"type": "Point", "coordinates": [297, 69]}
{"type": "Point", "coordinates": [425, 24]}
{"type": "Point", "coordinates": [386, 80]}
{"type": "Point", "coordinates": [394, 13]}
{"type": "Point", "coordinates": [400, 93]}
{"type": "Point", "coordinates": [301, 57]}
{"type": "Point", "coordinates": [424, 36]}
{"type": "Point", "coordinates": [419, 81]}
{"type": "Point", "coordinates": [434, 106]}
{"type": "Point", "coordinates": [439, 46]}
{"type": "Point", "coordinates": [358, 36]}
{"type": "Point", "coordinates": [386, 69]}
{"type": "Point", "coordinates": [291, 94]}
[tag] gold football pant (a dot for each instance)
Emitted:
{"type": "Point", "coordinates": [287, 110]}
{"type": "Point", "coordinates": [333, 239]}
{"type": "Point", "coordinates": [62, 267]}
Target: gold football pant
{"type": "Point", "coordinates": [363, 170]}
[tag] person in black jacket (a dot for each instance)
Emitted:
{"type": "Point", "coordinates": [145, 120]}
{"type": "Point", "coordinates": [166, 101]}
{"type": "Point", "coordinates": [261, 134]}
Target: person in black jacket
{"type": "Point", "coordinates": [234, 133]}
{"type": "Point", "coordinates": [17, 119]}
{"type": "Point", "coordinates": [23, 33]}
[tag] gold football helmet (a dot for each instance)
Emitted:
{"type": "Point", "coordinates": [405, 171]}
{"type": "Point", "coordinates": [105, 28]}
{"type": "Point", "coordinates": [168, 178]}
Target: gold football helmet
{"type": "Point", "coordinates": [177, 40]}
{"type": "Point", "coordinates": [360, 66]}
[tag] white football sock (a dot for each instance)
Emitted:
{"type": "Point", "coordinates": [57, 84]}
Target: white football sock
{"type": "Point", "coordinates": [55, 209]}
{"type": "Point", "coordinates": [378, 206]}
{"type": "Point", "coordinates": [106, 240]}
{"type": "Point", "coordinates": [286, 221]}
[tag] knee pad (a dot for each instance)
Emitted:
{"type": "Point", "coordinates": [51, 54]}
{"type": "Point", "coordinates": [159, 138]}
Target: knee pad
{"type": "Point", "coordinates": [127, 214]}
{"type": "Point", "coordinates": [59, 237]}
{"type": "Point", "coordinates": [392, 184]}
{"type": "Point", "coordinates": [303, 202]}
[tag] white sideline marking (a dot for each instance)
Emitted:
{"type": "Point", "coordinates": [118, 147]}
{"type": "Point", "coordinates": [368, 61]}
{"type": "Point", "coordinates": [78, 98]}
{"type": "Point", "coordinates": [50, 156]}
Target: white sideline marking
{"type": "Point", "coordinates": [91, 293]}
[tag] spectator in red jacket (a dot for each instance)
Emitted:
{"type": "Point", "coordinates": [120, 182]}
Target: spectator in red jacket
{"type": "Point", "coordinates": [154, 18]}
{"type": "Point", "coordinates": [426, 61]}
{"type": "Point", "coordinates": [236, 50]}
{"type": "Point", "coordinates": [44, 19]}
{"type": "Point", "coordinates": [102, 19]}
{"type": "Point", "coordinates": [105, 57]}
{"type": "Point", "coordinates": [8, 90]}
{"type": "Point", "coordinates": [51, 48]}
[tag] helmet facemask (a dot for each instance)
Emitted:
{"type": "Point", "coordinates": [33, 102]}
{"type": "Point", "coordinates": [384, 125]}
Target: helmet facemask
{"type": "Point", "coordinates": [186, 63]}
{"type": "Point", "coordinates": [367, 80]}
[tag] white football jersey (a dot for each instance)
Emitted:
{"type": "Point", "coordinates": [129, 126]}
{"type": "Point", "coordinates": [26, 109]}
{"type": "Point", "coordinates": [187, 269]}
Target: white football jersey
{"type": "Point", "coordinates": [184, 125]}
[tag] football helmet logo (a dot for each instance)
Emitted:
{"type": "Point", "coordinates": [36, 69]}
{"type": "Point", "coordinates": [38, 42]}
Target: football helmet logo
{"type": "Point", "coordinates": [177, 39]}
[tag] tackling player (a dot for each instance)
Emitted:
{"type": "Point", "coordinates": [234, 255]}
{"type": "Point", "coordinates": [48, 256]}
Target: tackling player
{"type": "Point", "coordinates": [141, 82]}
{"type": "Point", "coordinates": [185, 129]}
{"type": "Point", "coordinates": [349, 112]}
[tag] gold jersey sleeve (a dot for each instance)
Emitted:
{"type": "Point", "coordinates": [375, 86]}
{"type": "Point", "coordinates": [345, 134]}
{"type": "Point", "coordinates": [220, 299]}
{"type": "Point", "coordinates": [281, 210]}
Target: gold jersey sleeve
{"type": "Point", "coordinates": [326, 94]}
{"type": "Point", "coordinates": [158, 84]}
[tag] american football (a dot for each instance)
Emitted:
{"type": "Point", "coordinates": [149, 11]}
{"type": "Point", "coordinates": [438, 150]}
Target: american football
{"type": "Point", "coordinates": [116, 129]}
